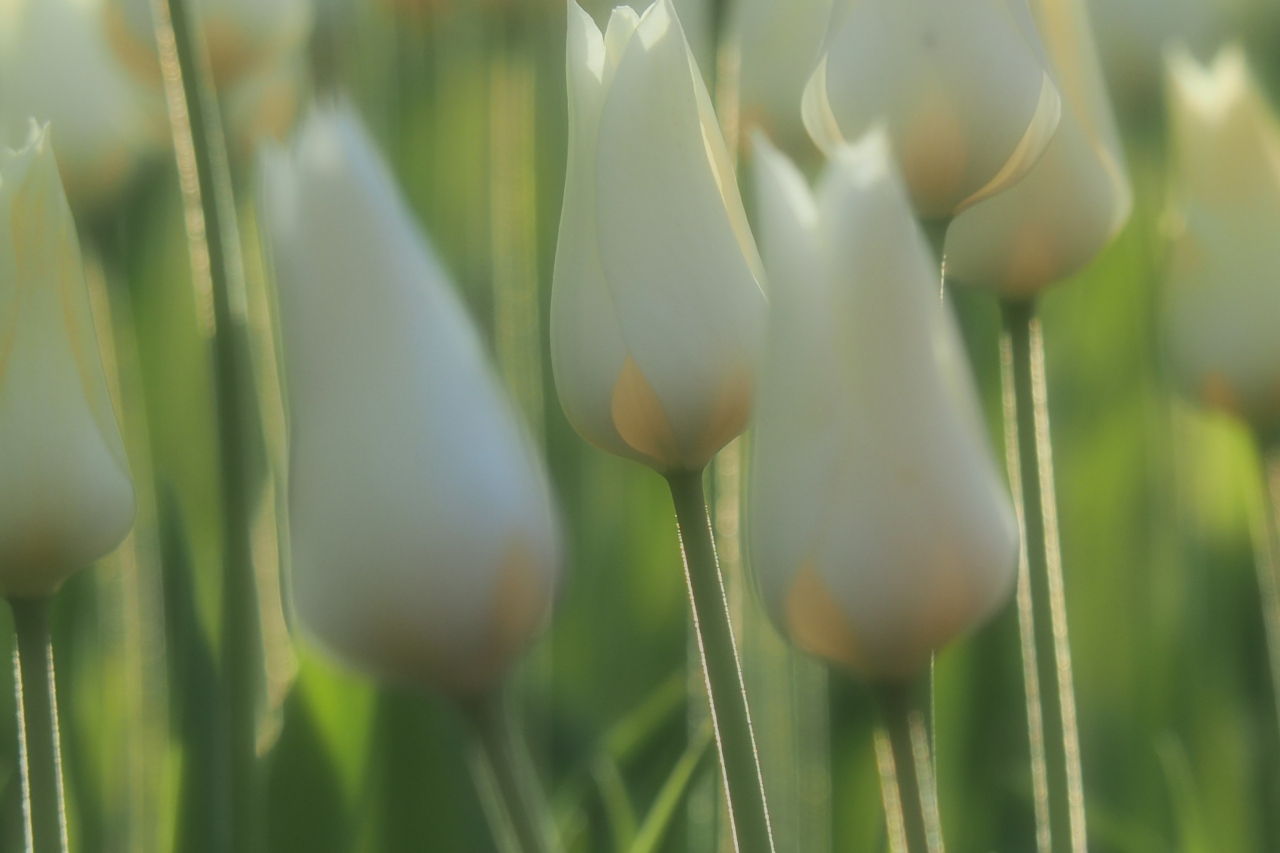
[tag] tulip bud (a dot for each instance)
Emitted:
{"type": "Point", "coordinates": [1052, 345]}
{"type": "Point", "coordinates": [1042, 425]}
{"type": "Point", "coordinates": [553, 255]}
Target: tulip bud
{"type": "Point", "coordinates": [425, 544]}
{"type": "Point", "coordinates": [56, 65]}
{"type": "Point", "coordinates": [66, 497]}
{"type": "Point", "coordinates": [961, 86]}
{"type": "Point", "coordinates": [1222, 292]}
{"type": "Point", "coordinates": [657, 316]}
{"type": "Point", "coordinates": [242, 36]}
{"type": "Point", "coordinates": [880, 529]}
{"type": "Point", "coordinates": [1074, 201]}
{"type": "Point", "coordinates": [779, 42]}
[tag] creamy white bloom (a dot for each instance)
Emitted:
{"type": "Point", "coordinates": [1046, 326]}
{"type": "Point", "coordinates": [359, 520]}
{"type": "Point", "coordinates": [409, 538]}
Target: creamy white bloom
{"type": "Point", "coordinates": [56, 65]}
{"type": "Point", "coordinates": [779, 43]}
{"type": "Point", "coordinates": [243, 36]}
{"type": "Point", "coordinates": [263, 106]}
{"type": "Point", "coordinates": [961, 85]}
{"type": "Point", "coordinates": [657, 316]}
{"type": "Point", "coordinates": [66, 496]}
{"type": "Point", "coordinates": [1133, 35]}
{"type": "Point", "coordinates": [425, 544]}
{"type": "Point", "coordinates": [1074, 201]}
{"type": "Point", "coordinates": [1222, 317]}
{"type": "Point", "coordinates": [879, 526]}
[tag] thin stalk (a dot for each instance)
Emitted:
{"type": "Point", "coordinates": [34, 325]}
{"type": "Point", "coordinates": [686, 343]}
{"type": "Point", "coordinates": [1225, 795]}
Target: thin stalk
{"type": "Point", "coordinates": [722, 669]}
{"type": "Point", "coordinates": [514, 803]}
{"type": "Point", "coordinates": [1268, 562]}
{"type": "Point", "coordinates": [906, 772]}
{"type": "Point", "coordinates": [213, 239]}
{"type": "Point", "coordinates": [40, 756]}
{"type": "Point", "coordinates": [1055, 746]}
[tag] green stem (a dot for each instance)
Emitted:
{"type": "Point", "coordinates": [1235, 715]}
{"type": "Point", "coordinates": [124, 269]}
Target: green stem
{"type": "Point", "coordinates": [216, 263]}
{"type": "Point", "coordinates": [513, 801]}
{"type": "Point", "coordinates": [935, 231]}
{"type": "Point", "coordinates": [1055, 748]}
{"type": "Point", "coordinates": [38, 726]}
{"type": "Point", "coordinates": [1268, 562]}
{"type": "Point", "coordinates": [911, 804]}
{"type": "Point", "coordinates": [739, 761]}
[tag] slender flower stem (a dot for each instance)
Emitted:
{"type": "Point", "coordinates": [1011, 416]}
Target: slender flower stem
{"type": "Point", "coordinates": [1268, 561]}
{"type": "Point", "coordinates": [906, 772]}
{"type": "Point", "coordinates": [513, 800]}
{"type": "Point", "coordinates": [41, 757]}
{"type": "Point", "coordinates": [1055, 744]}
{"type": "Point", "coordinates": [722, 670]}
{"type": "Point", "coordinates": [213, 238]}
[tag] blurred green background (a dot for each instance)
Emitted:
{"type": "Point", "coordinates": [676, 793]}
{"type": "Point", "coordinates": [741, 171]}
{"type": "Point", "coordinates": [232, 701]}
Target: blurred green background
{"type": "Point", "coordinates": [1158, 502]}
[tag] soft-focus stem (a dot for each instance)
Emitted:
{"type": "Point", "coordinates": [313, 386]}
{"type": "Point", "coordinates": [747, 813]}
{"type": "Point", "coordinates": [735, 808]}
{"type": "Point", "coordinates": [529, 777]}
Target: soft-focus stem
{"type": "Point", "coordinates": [935, 231]}
{"type": "Point", "coordinates": [1055, 744]}
{"type": "Point", "coordinates": [40, 756]}
{"type": "Point", "coordinates": [514, 803]}
{"type": "Point", "coordinates": [1268, 562]}
{"type": "Point", "coordinates": [722, 669]}
{"type": "Point", "coordinates": [906, 770]}
{"type": "Point", "coordinates": [212, 235]}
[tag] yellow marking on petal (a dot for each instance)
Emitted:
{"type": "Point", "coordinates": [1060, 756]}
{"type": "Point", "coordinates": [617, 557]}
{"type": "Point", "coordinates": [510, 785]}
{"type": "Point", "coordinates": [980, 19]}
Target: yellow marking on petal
{"type": "Point", "coordinates": [137, 56]}
{"type": "Point", "coordinates": [730, 414]}
{"type": "Point", "coordinates": [1217, 391]}
{"type": "Point", "coordinates": [1044, 122]}
{"type": "Point", "coordinates": [640, 419]}
{"type": "Point", "coordinates": [1033, 261]}
{"type": "Point", "coordinates": [818, 625]}
{"type": "Point", "coordinates": [934, 157]}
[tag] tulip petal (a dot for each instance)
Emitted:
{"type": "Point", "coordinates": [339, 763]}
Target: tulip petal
{"type": "Point", "coordinates": [66, 497]}
{"type": "Point", "coordinates": [677, 256]}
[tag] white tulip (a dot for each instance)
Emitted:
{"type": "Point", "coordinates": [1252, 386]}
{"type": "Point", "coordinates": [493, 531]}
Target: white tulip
{"type": "Point", "coordinates": [1222, 319]}
{"type": "Point", "coordinates": [879, 526]}
{"type": "Point", "coordinates": [779, 44]}
{"type": "Point", "coordinates": [242, 36]}
{"type": "Point", "coordinates": [425, 544]}
{"type": "Point", "coordinates": [1133, 35]}
{"type": "Point", "coordinates": [657, 316]}
{"type": "Point", "coordinates": [66, 496]}
{"type": "Point", "coordinates": [56, 65]}
{"type": "Point", "coordinates": [1074, 201]}
{"type": "Point", "coordinates": [961, 85]}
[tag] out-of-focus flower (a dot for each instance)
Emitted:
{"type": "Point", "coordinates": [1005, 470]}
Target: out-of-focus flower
{"type": "Point", "coordinates": [425, 544]}
{"type": "Point", "coordinates": [66, 496]}
{"type": "Point", "coordinates": [962, 88]}
{"type": "Point", "coordinates": [1074, 201]}
{"type": "Point", "coordinates": [56, 65]}
{"type": "Point", "coordinates": [657, 316]}
{"type": "Point", "coordinates": [1133, 34]}
{"type": "Point", "coordinates": [243, 36]}
{"type": "Point", "coordinates": [879, 526]}
{"type": "Point", "coordinates": [779, 44]}
{"type": "Point", "coordinates": [1222, 318]}
{"type": "Point", "coordinates": [264, 106]}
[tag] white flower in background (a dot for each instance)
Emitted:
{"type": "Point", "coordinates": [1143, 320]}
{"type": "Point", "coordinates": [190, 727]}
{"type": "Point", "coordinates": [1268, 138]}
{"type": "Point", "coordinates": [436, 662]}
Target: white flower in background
{"type": "Point", "coordinates": [879, 525]}
{"type": "Point", "coordinates": [425, 544]}
{"type": "Point", "coordinates": [1222, 317]}
{"type": "Point", "coordinates": [1133, 35]}
{"type": "Point", "coordinates": [1074, 201]}
{"type": "Point", "coordinates": [264, 106]}
{"type": "Point", "coordinates": [56, 66]}
{"type": "Point", "coordinates": [243, 36]}
{"type": "Point", "coordinates": [962, 88]}
{"type": "Point", "coordinates": [657, 316]}
{"type": "Point", "coordinates": [779, 43]}
{"type": "Point", "coordinates": [66, 496]}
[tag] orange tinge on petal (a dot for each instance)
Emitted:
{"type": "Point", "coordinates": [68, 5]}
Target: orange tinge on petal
{"type": "Point", "coordinates": [818, 625]}
{"type": "Point", "coordinates": [640, 419]}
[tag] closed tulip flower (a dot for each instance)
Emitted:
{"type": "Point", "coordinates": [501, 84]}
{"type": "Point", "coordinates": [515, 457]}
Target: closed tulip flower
{"type": "Point", "coordinates": [66, 496]}
{"type": "Point", "coordinates": [880, 529]}
{"type": "Point", "coordinates": [962, 87]}
{"type": "Point", "coordinates": [1222, 291]}
{"type": "Point", "coordinates": [425, 545]}
{"type": "Point", "coordinates": [56, 65]}
{"type": "Point", "coordinates": [657, 316]}
{"type": "Point", "coordinates": [779, 45]}
{"type": "Point", "coordinates": [1073, 202]}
